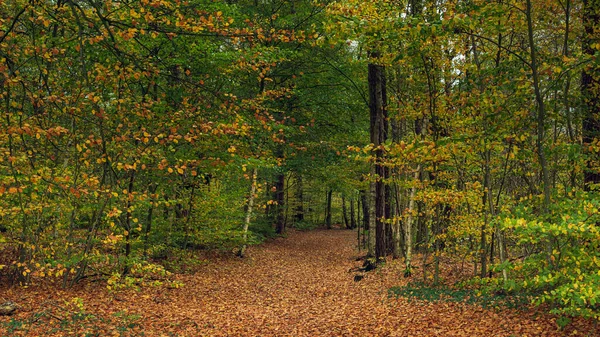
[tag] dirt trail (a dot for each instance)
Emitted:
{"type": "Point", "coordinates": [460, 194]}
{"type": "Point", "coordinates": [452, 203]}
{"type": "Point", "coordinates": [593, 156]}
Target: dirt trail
{"type": "Point", "coordinates": [301, 286]}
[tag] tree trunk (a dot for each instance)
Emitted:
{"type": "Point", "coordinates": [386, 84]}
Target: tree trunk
{"type": "Point", "coordinates": [188, 218]}
{"type": "Point", "coordinates": [250, 205]}
{"type": "Point", "coordinates": [345, 213]}
{"type": "Point", "coordinates": [152, 190]}
{"type": "Point", "coordinates": [409, 224]}
{"type": "Point", "coordinates": [377, 107]}
{"type": "Point", "coordinates": [566, 90]}
{"type": "Point", "coordinates": [352, 216]}
{"type": "Point", "coordinates": [387, 213]}
{"type": "Point", "coordinates": [358, 225]}
{"type": "Point", "coordinates": [299, 217]}
{"type": "Point", "coordinates": [397, 242]}
{"type": "Point", "coordinates": [127, 222]}
{"type": "Point", "coordinates": [501, 252]}
{"type": "Point", "coordinates": [328, 209]}
{"type": "Point", "coordinates": [364, 202]}
{"type": "Point", "coordinates": [590, 89]}
{"type": "Point", "coordinates": [371, 241]}
{"type": "Point", "coordinates": [280, 199]}
{"type": "Point", "coordinates": [541, 110]}
{"type": "Point", "coordinates": [486, 215]}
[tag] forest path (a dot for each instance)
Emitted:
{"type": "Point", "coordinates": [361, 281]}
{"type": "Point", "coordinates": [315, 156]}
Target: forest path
{"type": "Point", "coordinates": [299, 285]}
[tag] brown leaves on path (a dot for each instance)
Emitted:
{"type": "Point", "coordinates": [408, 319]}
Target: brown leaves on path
{"type": "Point", "coordinates": [294, 286]}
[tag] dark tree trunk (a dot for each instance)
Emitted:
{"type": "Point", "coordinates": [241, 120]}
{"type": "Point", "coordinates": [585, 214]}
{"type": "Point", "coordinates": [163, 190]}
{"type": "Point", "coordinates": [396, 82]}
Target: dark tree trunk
{"type": "Point", "coordinates": [377, 107]}
{"type": "Point", "coordinates": [389, 234]}
{"type": "Point", "coordinates": [127, 223]}
{"type": "Point", "coordinates": [590, 89]}
{"type": "Point", "coordinates": [345, 213]}
{"type": "Point", "coordinates": [352, 216]}
{"type": "Point", "coordinates": [364, 203]}
{"type": "Point", "coordinates": [300, 199]}
{"type": "Point", "coordinates": [358, 223]}
{"type": "Point", "coordinates": [365, 209]}
{"type": "Point", "coordinates": [280, 198]}
{"type": "Point", "coordinates": [152, 189]}
{"type": "Point", "coordinates": [328, 209]}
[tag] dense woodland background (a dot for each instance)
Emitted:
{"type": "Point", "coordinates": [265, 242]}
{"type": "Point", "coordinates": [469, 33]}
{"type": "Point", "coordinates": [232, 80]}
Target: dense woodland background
{"type": "Point", "coordinates": [460, 132]}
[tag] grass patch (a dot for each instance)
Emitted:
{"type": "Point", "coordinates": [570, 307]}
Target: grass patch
{"type": "Point", "coordinates": [425, 292]}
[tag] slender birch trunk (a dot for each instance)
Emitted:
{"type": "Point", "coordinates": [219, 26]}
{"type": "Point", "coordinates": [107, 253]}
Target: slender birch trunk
{"type": "Point", "coordinates": [248, 213]}
{"type": "Point", "coordinates": [409, 222]}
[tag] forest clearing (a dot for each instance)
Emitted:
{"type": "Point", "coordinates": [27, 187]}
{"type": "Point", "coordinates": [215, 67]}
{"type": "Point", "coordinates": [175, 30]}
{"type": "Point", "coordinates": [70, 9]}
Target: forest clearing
{"type": "Point", "coordinates": [300, 167]}
{"type": "Point", "coordinates": [300, 285]}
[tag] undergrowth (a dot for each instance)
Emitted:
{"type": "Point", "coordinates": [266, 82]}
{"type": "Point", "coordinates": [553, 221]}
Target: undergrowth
{"type": "Point", "coordinates": [487, 299]}
{"type": "Point", "coordinates": [72, 319]}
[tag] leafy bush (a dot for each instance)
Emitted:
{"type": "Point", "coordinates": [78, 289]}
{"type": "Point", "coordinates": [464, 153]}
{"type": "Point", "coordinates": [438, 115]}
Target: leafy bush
{"type": "Point", "coordinates": [261, 229]}
{"type": "Point", "coordinates": [72, 319]}
{"type": "Point", "coordinates": [142, 274]}
{"type": "Point", "coordinates": [565, 271]}
{"type": "Point", "coordinates": [305, 225]}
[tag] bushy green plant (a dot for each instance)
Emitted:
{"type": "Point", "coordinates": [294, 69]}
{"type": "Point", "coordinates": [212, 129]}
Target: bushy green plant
{"type": "Point", "coordinates": [565, 270]}
{"type": "Point", "coordinates": [71, 318]}
{"type": "Point", "coordinates": [261, 229]}
{"type": "Point", "coordinates": [305, 225]}
{"type": "Point", "coordinates": [142, 274]}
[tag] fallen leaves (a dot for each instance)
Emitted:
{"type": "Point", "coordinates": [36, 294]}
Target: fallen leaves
{"type": "Point", "coordinates": [294, 286]}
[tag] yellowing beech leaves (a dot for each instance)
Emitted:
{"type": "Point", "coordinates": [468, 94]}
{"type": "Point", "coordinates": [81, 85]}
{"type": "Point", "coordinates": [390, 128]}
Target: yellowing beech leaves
{"type": "Point", "coordinates": [128, 128]}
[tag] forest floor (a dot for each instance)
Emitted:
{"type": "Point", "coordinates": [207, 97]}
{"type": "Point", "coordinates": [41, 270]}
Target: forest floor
{"type": "Point", "coordinates": [299, 285]}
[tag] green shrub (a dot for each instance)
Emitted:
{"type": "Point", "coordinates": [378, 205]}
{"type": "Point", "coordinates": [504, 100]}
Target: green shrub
{"type": "Point", "coordinates": [565, 273]}
{"type": "Point", "coordinates": [305, 225]}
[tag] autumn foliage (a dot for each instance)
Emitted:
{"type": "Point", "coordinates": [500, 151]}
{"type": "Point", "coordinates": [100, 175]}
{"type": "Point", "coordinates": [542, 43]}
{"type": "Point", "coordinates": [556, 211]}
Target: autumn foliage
{"type": "Point", "coordinates": [135, 134]}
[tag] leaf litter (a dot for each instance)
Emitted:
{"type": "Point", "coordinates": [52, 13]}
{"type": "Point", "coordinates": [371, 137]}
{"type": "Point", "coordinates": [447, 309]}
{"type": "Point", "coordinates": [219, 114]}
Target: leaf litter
{"type": "Point", "coordinates": [298, 285]}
